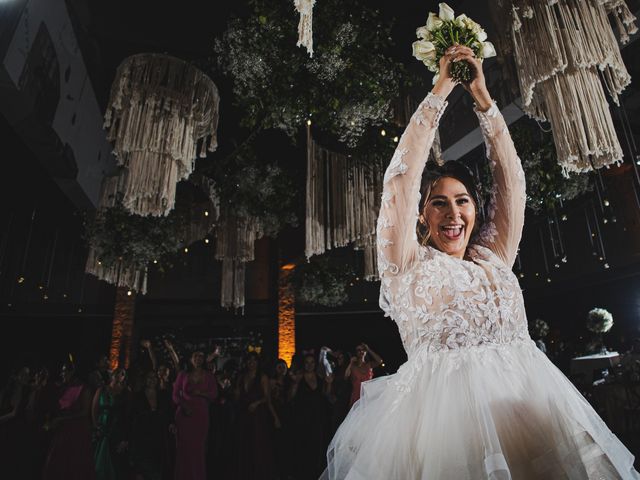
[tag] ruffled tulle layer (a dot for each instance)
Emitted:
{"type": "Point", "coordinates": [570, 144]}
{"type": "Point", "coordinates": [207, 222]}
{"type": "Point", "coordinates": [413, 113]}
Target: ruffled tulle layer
{"type": "Point", "coordinates": [489, 412]}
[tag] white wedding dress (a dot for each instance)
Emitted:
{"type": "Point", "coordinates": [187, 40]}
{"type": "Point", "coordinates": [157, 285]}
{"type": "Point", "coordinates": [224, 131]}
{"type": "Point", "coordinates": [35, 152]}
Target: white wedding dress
{"type": "Point", "coordinates": [476, 399]}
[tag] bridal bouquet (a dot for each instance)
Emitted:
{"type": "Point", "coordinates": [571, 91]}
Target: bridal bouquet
{"type": "Point", "coordinates": [445, 30]}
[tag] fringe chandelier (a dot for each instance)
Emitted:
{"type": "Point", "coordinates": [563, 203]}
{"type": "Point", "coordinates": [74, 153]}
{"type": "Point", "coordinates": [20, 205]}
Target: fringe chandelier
{"type": "Point", "coordinates": [162, 111]}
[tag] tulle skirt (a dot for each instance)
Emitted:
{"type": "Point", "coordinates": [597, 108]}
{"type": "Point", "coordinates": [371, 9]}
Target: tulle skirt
{"type": "Point", "coordinates": [488, 412]}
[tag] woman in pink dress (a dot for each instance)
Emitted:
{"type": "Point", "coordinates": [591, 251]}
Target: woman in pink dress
{"type": "Point", "coordinates": [70, 455]}
{"type": "Point", "coordinates": [192, 393]}
{"type": "Point", "coordinates": [360, 369]}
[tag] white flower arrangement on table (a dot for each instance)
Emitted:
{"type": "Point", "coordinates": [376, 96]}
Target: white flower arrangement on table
{"type": "Point", "coordinates": [599, 320]}
{"type": "Point", "coordinates": [445, 30]}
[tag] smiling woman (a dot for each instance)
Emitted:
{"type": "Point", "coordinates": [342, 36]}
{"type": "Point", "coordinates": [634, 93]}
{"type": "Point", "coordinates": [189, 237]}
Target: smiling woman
{"type": "Point", "coordinates": [451, 208]}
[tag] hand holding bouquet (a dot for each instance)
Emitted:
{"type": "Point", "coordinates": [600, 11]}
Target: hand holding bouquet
{"type": "Point", "coordinates": [443, 31]}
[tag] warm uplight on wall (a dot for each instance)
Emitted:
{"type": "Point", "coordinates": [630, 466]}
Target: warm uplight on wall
{"type": "Point", "coordinates": [286, 314]}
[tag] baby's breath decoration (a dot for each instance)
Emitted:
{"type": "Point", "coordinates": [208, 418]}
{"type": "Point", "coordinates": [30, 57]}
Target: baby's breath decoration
{"type": "Point", "coordinates": [346, 88]}
{"type": "Point", "coordinates": [445, 30]}
{"type": "Point", "coordinates": [318, 282]}
{"type": "Point", "coordinates": [546, 184]}
{"type": "Point", "coordinates": [119, 237]}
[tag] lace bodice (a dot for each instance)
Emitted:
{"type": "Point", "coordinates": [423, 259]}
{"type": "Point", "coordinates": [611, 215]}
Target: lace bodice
{"type": "Point", "coordinates": [441, 302]}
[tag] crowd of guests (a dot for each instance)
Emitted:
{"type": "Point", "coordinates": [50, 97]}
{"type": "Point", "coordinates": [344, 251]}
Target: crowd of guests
{"type": "Point", "coordinates": [193, 418]}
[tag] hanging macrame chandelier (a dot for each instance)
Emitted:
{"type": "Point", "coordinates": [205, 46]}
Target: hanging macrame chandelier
{"type": "Point", "coordinates": [565, 50]}
{"type": "Point", "coordinates": [235, 239]}
{"type": "Point", "coordinates": [162, 112]}
{"type": "Point", "coordinates": [305, 25]}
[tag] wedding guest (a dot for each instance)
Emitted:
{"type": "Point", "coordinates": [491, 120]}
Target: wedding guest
{"type": "Point", "coordinates": [192, 392]}
{"type": "Point", "coordinates": [15, 443]}
{"type": "Point", "coordinates": [279, 387]}
{"type": "Point", "coordinates": [109, 410]}
{"type": "Point", "coordinates": [255, 419]}
{"type": "Point", "coordinates": [70, 456]}
{"type": "Point", "coordinates": [310, 407]}
{"type": "Point", "coordinates": [360, 369]}
{"type": "Point", "coordinates": [148, 439]}
{"type": "Point", "coordinates": [99, 377]}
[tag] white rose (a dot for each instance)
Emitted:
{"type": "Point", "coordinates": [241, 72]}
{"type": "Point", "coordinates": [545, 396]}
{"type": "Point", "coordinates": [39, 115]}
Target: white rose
{"type": "Point", "coordinates": [461, 20]}
{"type": "Point", "coordinates": [423, 33]}
{"type": "Point", "coordinates": [423, 50]}
{"type": "Point", "coordinates": [431, 64]}
{"type": "Point", "coordinates": [446, 12]}
{"type": "Point", "coordinates": [488, 50]}
{"type": "Point", "coordinates": [482, 35]}
{"type": "Point", "coordinates": [433, 21]}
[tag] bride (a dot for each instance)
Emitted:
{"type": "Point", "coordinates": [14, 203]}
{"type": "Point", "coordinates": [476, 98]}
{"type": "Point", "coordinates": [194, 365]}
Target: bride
{"type": "Point", "coordinates": [476, 399]}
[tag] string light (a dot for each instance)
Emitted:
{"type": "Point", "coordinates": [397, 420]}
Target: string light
{"type": "Point", "coordinates": [548, 280]}
{"type": "Point", "coordinates": [206, 213]}
{"type": "Point", "coordinates": [309, 122]}
{"type": "Point", "coordinates": [606, 202]}
{"type": "Point", "coordinates": [155, 261]}
{"type": "Point", "coordinates": [395, 139]}
{"type": "Point", "coordinates": [383, 132]}
{"type": "Point", "coordinates": [206, 240]}
{"type": "Point", "coordinates": [606, 265]}
{"type": "Point", "coordinates": [20, 279]}
{"type": "Point", "coordinates": [564, 217]}
{"type": "Point", "coordinates": [186, 250]}
{"type": "Point", "coordinates": [129, 293]}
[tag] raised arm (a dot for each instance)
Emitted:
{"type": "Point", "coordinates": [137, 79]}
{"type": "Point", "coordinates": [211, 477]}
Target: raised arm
{"type": "Point", "coordinates": [505, 216]}
{"type": "Point", "coordinates": [396, 229]}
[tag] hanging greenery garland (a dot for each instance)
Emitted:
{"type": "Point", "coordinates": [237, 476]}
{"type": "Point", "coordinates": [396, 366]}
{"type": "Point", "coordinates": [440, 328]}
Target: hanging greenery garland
{"type": "Point", "coordinates": [134, 240]}
{"type": "Point", "coordinates": [546, 185]}
{"type": "Point", "coordinates": [258, 189]}
{"type": "Point", "coordinates": [344, 89]}
{"type": "Point", "coordinates": [319, 282]}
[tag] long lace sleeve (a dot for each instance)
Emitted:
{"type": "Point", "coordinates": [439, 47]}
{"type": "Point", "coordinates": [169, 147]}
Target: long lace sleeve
{"type": "Point", "coordinates": [505, 216]}
{"type": "Point", "coordinates": [396, 229]}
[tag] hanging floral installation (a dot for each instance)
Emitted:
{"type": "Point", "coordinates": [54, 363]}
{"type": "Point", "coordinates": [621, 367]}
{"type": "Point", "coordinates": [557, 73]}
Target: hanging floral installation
{"type": "Point", "coordinates": [565, 50]}
{"type": "Point", "coordinates": [319, 282]}
{"type": "Point", "coordinates": [162, 114]}
{"type": "Point", "coordinates": [123, 245]}
{"type": "Point", "coordinates": [547, 186]}
{"type": "Point", "coordinates": [346, 88]}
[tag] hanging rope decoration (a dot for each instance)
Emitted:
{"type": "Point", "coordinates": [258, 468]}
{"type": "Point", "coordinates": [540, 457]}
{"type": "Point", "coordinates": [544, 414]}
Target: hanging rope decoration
{"type": "Point", "coordinates": [305, 26]}
{"type": "Point", "coordinates": [161, 112]}
{"type": "Point", "coordinates": [235, 247]}
{"type": "Point", "coordinates": [343, 199]}
{"type": "Point", "coordinates": [561, 79]}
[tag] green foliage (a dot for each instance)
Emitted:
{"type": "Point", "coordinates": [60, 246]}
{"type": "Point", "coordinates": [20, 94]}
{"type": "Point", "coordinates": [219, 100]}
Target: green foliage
{"type": "Point", "coordinates": [118, 236]}
{"type": "Point", "coordinates": [546, 185]}
{"type": "Point", "coordinates": [344, 89]}
{"type": "Point", "coordinates": [319, 282]}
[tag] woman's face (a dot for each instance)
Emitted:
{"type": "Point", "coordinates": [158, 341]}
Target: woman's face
{"type": "Point", "coordinates": [197, 359]}
{"type": "Point", "coordinates": [281, 369]}
{"type": "Point", "coordinates": [309, 364]}
{"type": "Point", "coordinates": [361, 352]}
{"type": "Point", "coordinates": [450, 215]}
{"type": "Point", "coordinates": [163, 373]}
{"type": "Point", "coordinates": [252, 363]}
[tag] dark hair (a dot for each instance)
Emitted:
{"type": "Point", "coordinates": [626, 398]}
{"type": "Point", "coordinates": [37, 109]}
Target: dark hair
{"type": "Point", "coordinates": [452, 169]}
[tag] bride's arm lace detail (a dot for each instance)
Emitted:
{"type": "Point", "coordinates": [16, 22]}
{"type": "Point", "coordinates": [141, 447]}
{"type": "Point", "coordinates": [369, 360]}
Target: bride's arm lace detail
{"type": "Point", "coordinates": [505, 214]}
{"type": "Point", "coordinates": [397, 242]}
